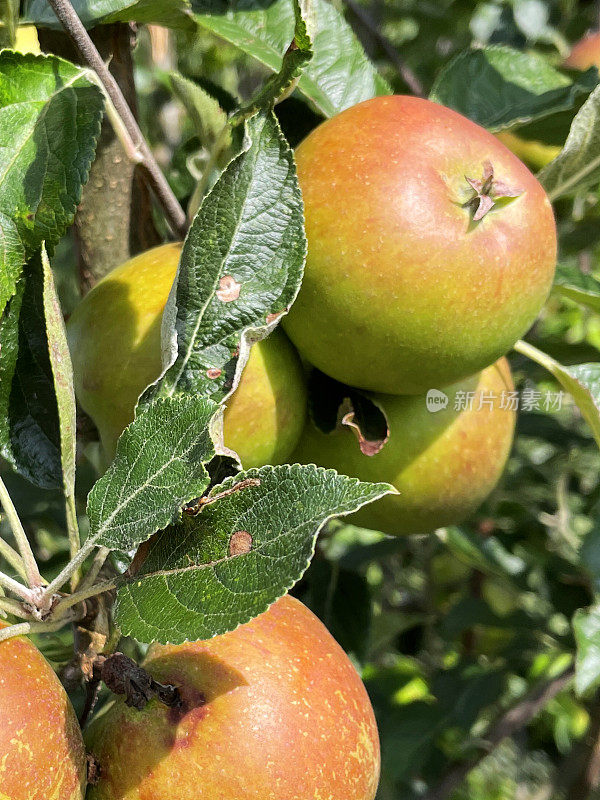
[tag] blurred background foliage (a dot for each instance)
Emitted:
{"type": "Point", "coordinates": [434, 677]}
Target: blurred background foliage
{"type": "Point", "coordinates": [453, 628]}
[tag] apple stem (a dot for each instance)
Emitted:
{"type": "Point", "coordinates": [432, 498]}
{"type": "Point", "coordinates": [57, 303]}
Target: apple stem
{"type": "Point", "coordinates": [77, 33]}
{"type": "Point", "coordinates": [34, 578]}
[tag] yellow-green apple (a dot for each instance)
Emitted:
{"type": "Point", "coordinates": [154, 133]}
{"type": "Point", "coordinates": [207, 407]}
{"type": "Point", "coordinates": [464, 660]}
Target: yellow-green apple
{"type": "Point", "coordinates": [444, 458]}
{"type": "Point", "coordinates": [42, 756]}
{"type": "Point", "coordinates": [431, 247]}
{"type": "Point", "coordinates": [115, 342]}
{"type": "Point", "coordinates": [532, 152]}
{"type": "Point", "coordinates": [271, 711]}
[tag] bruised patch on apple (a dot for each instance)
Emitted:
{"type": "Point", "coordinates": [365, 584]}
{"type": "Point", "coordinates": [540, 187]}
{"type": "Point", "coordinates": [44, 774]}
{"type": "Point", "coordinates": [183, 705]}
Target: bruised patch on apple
{"type": "Point", "coordinates": [229, 289]}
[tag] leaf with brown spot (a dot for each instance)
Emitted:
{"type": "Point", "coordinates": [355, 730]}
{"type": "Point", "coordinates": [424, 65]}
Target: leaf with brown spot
{"type": "Point", "coordinates": [229, 289]}
{"type": "Point", "coordinates": [240, 543]}
{"type": "Point", "coordinates": [200, 580]}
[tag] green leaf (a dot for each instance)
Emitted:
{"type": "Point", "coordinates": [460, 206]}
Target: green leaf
{"type": "Point", "coordinates": [339, 75]}
{"type": "Point", "coordinates": [241, 267]}
{"type": "Point", "coordinates": [582, 381]}
{"type": "Point", "coordinates": [158, 468]}
{"type": "Point", "coordinates": [577, 286]}
{"type": "Point", "coordinates": [295, 58]}
{"type": "Point", "coordinates": [50, 113]}
{"type": "Point", "coordinates": [174, 14]}
{"type": "Point", "coordinates": [30, 437]}
{"type": "Point", "coordinates": [206, 114]}
{"type": "Point", "coordinates": [586, 627]}
{"type": "Point", "coordinates": [577, 166]}
{"type": "Point", "coordinates": [487, 555]}
{"type": "Point", "coordinates": [9, 20]}
{"type": "Point", "coordinates": [62, 374]}
{"type": "Point", "coordinates": [498, 87]}
{"type": "Point", "coordinates": [242, 552]}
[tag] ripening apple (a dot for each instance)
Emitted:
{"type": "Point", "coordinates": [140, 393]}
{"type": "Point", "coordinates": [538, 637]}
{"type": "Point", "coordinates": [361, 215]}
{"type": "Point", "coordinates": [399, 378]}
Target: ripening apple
{"type": "Point", "coordinates": [431, 247]}
{"type": "Point", "coordinates": [26, 39]}
{"type": "Point", "coordinates": [42, 756]}
{"type": "Point", "coordinates": [532, 152]}
{"type": "Point", "coordinates": [585, 53]}
{"type": "Point", "coordinates": [115, 342]}
{"type": "Point", "coordinates": [443, 462]}
{"type": "Point", "coordinates": [271, 711]}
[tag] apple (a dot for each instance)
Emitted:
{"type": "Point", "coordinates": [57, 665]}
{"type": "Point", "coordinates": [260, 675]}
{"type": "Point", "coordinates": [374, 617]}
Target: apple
{"type": "Point", "coordinates": [273, 710]}
{"type": "Point", "coordinates": [115, 342]}
{"type": "Point", "coordinates": [42, 756]}
{"type": "Point", "coordinates": [26, 39]}
{"type": "Point", "coordinates": [443, 463]}
{"type": "Point", "coordinates": [431, 247]}
{"type": "Point", "coordinates": [585, 53]}
{"type": "Point", "coordinates": [532, 152]}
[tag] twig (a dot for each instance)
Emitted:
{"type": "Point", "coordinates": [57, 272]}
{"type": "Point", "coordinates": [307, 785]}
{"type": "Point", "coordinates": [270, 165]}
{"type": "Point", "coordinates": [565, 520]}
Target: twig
{"type": "Point", "coordinates": [408, 76]}
{"type": "Point", "coordinates": [13, 607]}
{"type": "Point", "coordinates": [94, 570]}
{"type": "Point", "coordinates": [11, 557]}
{"type": "Point", "coordinates": [23, 628]}
{"type": "Point", "coordinates": [16, 588]}
{"type": "Point", "coordinates": [79, 596]}
{"type": "Point", "coordinates": [73, 531]}
{"type": "Point", "coordinates": [508, 724]}
{"type": "Point", "coordinates": [81, 39]}
{"type": "Point", "coordinates": [31, 568]}
{"type": "Point", "coordinates": [69, 570]}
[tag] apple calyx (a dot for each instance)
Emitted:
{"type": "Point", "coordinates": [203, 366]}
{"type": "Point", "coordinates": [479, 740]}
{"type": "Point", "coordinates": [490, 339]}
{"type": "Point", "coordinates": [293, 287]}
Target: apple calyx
{"type": "Point", "coordinates": [124, 677]}
{"type": "Point", "coordinates": [487, 190]}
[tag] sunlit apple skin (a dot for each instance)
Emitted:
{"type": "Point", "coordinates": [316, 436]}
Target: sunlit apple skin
{"type": "Point", "coordinates": [42, 756]}
{"type": "Point", "coordinates": [585, 53]}
{"type": "Point", "coordinates": [443, 464]}
{"type": "Point", "coordinates": [532, 152]}
{"type": "Point", "coordinates": [26, 39]}
{"type": "Point", "coordinates": [272, 711]}
{"type": "Point", "coordinates": [402, 289]}
{"type": "Point", "coordinates": [115, 343]}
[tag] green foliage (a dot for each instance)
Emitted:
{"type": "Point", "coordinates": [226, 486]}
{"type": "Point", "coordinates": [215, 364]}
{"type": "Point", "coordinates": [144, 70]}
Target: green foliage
{"type": "Point", "coordinates": [240, 554]}
{"type": "Point", "coordinates": [338, 76]}
{"type": "Point", "coordinates": [231, 282]}
{"type": "Point", "coordinates": [29, 424]}
{"type": "Point", "coordinates": [50, 114]}
{"type": "Point", "coordinates": [449, 629]}
{"type": "Point", "coordinates": [175, 14]}
{"type": "Point", "coordinates": [158, 468]}
{"type": "Point", "coordinates": [499, 87]}
{"type": "Point", "coordinates": [577, 166]}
